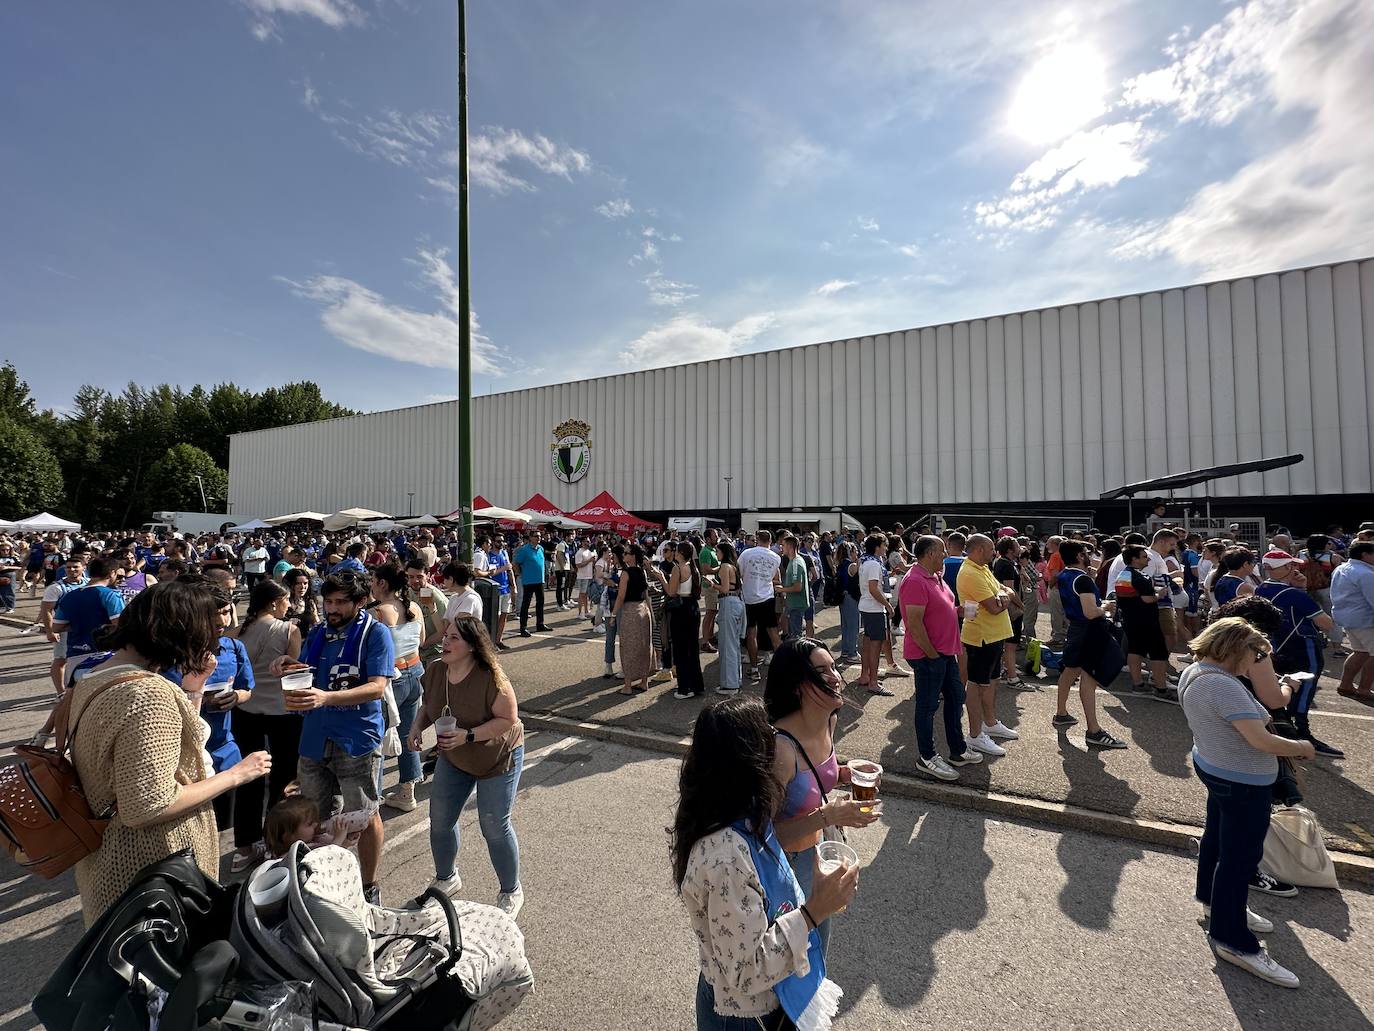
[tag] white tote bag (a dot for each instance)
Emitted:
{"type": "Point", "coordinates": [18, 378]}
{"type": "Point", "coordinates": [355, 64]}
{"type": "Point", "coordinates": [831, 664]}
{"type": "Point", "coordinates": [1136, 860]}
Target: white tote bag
{"type": "Point", "coordinates": [1294, 850]}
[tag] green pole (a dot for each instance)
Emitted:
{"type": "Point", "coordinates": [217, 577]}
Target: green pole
{"type": "Point", "coordinates": [464, 295]}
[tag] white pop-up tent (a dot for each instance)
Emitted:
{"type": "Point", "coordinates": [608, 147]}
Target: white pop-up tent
{"type": "Point", "coordinates": [383, 526]}
{"type": "Point", "coordinates": [424, 520]}
{"type": "Point", "coordinates": [298, 517]}
{"type": "Point", "coordinates": [496, 512]}
{"type": "Point", "coordinates": [250, 526]}
{"type": "Point", "coordinates": [44, 522]}
{"type": "Point", "coordinates": [342, 520]}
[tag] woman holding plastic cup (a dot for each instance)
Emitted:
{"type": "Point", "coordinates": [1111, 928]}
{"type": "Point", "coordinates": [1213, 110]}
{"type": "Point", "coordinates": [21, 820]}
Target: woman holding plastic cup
{"type": "Point", "coordinates": [761, 959]}
{"type": "Point", "coordinates": [803, 696]}
{"type": "Point", "coordinates": [471, 704]}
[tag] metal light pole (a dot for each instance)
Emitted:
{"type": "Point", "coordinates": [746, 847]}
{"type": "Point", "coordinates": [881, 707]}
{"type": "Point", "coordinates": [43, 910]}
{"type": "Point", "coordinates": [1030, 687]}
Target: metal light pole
{"type": "Point", "coordinates": [204, 505]}
{"type": "Point", "coordinates": [464, 297]}
{"type": "Point", "coordinates": [727, 491]}
{"type": "Point", "coordinates": [410, 503]}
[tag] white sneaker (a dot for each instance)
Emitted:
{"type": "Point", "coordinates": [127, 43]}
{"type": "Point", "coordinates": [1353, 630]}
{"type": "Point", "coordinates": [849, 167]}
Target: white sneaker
{"type": "Point", "coordinates": [985, 744]}
{"type": "Point", "coordinates": [1000, 731]}
{"type": "Point", "coordinates": [968, 758]}
{"type": "Point", "coordinates": [401, 798]}
{"type": "Point", "coordinates": [936, 767]}
{"type": "Point", "coordinates": [1260, 964]}
{"type": "Point", "coordinates": [1256, 923]}
{"type": "Point", "coordinates": [511, 902]}
{"type": "Point", "coordinates": [450, 886]}
{"type": "Point", "coordinates": [897, 671]}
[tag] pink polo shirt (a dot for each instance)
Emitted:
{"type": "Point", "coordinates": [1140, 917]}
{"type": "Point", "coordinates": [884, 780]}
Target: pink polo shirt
{"type": "Point", "coordinates": [941, 618]}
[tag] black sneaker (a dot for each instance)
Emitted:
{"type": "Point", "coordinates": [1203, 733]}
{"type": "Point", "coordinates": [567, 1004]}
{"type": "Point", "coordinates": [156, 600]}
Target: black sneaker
{"type": "Point", "coordinates": [544, 629]}
{"type": "Point", "coordinates": [373, 893]}
{"type": "Point", "coordinates": [1324, 750]}
{"type": "Point", "coordinates": [526, 633]}
{"type": "Point", "coordinates": [1272, 885]}
{"type": "Point", "coordinates": [1101, 739]}
{"type": "Point", "coordinates": [1063, 719]}
{"type": "Point", "coordinates": [503, 646]}
{"type": "Point", "coordinates": [1165, 695]}
{"type": "Point", "coordinates": [1141, 688]}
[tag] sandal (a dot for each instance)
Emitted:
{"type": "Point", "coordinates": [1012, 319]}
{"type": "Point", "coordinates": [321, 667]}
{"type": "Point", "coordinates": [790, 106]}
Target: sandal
{"type": "Point", "coordinates": [626, 691]}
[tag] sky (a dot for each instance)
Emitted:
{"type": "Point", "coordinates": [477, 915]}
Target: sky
{"type": "Point", "coordinates": [261, 191]}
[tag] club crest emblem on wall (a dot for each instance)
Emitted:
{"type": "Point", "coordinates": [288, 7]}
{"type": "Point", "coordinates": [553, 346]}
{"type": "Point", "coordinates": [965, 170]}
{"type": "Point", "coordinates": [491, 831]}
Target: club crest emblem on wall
{"type": "Point", "coordinates": [572, 450]}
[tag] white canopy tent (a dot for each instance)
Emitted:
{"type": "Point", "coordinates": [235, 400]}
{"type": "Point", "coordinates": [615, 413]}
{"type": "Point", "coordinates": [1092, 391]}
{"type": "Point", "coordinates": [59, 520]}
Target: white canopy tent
{"type": "Point", "coordinates": [44, 522]}
{"type": "Point", "coordinates": [342, 520]}
{"type": "Point", "coordinates": [561, 521]}
{"type": "Point", "coordinates": [383, 526]}
{"type": "Point", "coordinates": [298, 517]}
{"type": "Point", "coordinates": [497, 513]}
{"type": "Point", "coordinates": [250, 526]}
{"type": "Point", "coordinates": [424, 520]}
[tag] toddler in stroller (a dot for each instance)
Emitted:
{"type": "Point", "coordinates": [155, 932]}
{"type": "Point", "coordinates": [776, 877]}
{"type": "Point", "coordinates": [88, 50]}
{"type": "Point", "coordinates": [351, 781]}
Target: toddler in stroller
{"type": "Point", "coordinates": [178, 950]}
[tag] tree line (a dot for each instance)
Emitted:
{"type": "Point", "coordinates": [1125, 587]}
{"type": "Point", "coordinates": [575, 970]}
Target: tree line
{"type": "Point", "coordinates": [111, 459]}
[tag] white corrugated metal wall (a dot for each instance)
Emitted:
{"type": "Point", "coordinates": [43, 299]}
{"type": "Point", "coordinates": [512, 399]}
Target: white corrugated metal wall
{"type": "Point", "coordinates": [1166, 381]}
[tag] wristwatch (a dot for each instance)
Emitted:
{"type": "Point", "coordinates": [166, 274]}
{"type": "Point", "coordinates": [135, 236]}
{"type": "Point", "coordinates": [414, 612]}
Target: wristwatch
{"type": "Point", "coordinates": [472, 736]}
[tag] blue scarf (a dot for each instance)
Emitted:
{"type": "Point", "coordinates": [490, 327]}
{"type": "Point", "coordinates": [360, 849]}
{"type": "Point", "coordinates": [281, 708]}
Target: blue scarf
{"type": "Point", "coordinates": [810, 1000]}
{"type": "Point", "coordinates": [347, 671]}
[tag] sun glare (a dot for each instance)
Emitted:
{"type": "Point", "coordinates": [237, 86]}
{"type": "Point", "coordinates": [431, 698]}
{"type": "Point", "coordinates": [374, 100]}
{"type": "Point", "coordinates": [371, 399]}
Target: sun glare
{"type": "Point", "coordinates": [1062, 91]}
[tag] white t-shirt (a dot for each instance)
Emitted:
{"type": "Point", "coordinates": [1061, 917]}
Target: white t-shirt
{"type": "Point", "coordinates": [869, 571]}
{"type": "Point", "coordinates": [584, 559]}
{"type": "Point", "coordinates": [255, 560]}
{"type": "Point", "coordinates": [757, 567]}
{"type": "Point", "coordinates": [52, 594]}
{"type": "Point", "coordinates": [480, 562]}
{"type": "Point", "coordinates": [560, 555]}
{"type": "Point", "coordinates": [465, 602]}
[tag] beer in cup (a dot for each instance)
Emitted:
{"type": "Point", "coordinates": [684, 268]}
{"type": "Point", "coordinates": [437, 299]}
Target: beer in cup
{"type": "Point", "coordinates": [295, 683]}
{"type": "Point", "coordinates": [970, 609]}
{"type": "Point", "coordinates": [863, 782]}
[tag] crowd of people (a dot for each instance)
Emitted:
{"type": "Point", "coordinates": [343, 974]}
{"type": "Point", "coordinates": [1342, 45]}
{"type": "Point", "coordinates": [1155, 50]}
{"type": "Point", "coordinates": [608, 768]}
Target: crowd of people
{"type": "Point", "coordinates": [352, 646]}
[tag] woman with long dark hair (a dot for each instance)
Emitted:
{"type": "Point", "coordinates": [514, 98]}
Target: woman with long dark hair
{"type": "Point", "coordinates": [634, 624]}
{"type": "Point", "coordinates": [762, 965]}
{"type": "Point", "coordinates": [301, 607]}
{"type": "Point", "coordinates": [803, 696]}
{"type": "Point", "coordinates": [485, 751]}
{"type": "Point", "coordinates": [729, 617]}
{"type": "Point", "coordinates": [847, 574]}
{"type": "Point", "coordinates": [138, 746]}
{"type": "Point", "coordinates": [684, 619]}
{"type": "Point", "coordinates": [393, 608]}
{"type": "Point", "coordinates": [261, 720]}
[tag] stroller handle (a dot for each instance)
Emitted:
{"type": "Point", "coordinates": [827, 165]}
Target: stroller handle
{"type": "Point", "coordinates": [134, 960]}
{"type": "Point", "coordinates": [455, 930]}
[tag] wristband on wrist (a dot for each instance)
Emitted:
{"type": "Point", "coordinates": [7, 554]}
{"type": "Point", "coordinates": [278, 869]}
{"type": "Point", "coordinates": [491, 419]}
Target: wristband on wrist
{"type": "Point", "coordinates": [809, 918]}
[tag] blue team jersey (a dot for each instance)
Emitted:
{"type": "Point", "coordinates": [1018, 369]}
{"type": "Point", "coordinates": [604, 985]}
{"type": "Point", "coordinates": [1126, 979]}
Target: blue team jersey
{"type": "Point", "coordinates": [85, 611]}
{"type": "Point", "coordinates": [357, 729]}
{"type": "Point", "coordinates": [231, 667]}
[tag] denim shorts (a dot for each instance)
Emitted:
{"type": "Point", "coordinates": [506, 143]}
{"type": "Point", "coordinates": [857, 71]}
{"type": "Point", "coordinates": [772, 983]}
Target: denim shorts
{"type": "Point", "coordinates": [340, 783]}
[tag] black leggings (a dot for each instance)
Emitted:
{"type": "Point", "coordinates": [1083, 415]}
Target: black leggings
{"type": "Point", "coordinates": [281, 737]}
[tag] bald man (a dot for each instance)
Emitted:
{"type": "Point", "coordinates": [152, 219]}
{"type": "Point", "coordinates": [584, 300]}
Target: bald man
{"type": "Point", "coordinates": [986, 627]}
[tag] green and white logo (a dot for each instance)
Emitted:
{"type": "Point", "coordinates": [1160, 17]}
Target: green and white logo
{"type": "Point", "coordinates": [571, 450]}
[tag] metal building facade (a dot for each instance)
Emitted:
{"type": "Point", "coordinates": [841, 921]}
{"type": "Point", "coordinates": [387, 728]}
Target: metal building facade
{"type": "Point", "coordinates": [959, 413]}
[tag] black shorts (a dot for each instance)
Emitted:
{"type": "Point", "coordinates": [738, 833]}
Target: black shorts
{"type": "Point", "coordinates": [874, 625]}
{"type": "Point", "coordinates": [1017, 625]}
{"type": "Point", "coordinates": [1145, 637]}
{"type": "Point", "coordinates": [761, 614]}
{"type": "Point", "coordinates": [983, 660]}
{"type": "Point", "coordinates": [1083, 643]}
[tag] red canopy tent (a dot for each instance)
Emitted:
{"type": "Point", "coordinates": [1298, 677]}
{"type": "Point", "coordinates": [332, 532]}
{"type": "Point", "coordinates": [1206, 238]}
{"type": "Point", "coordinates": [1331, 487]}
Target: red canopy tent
{"type": "Point", "coordinates": [606, 513]}
{"type": "Point", "coordinates": [542, 505]}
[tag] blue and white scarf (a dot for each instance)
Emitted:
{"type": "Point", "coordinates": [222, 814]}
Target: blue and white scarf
{"type": "Point", "coordinates": [347, 671]}
{"type": "Point", "coordinates": [811, 1000]}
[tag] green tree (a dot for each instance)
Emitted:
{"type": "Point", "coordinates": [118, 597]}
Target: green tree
{"type": "Point", "coordinates": [15, 397]}
{"type": "Point", "coordinates": [172, 483]}
{"type": "Point", "coordinates": [33, 479]}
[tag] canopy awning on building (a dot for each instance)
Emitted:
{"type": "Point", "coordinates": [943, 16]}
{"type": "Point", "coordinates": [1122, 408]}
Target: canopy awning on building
{"type": "Point", "coordinates": [604, 512]}
{"type": "Point", "coordinates": [1178, 481]}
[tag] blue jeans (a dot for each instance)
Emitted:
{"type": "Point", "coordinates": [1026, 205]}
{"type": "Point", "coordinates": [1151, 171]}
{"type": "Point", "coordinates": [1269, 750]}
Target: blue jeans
{"type": "Point", "coordinates": [408, 691]}
{"type": "Point", "coordinates": [1232, 847]}
{"type": "Point", "coordinates": [796, 622]}
{"type": "Point", "coordinates": [495, 799]}
{"type": "Point", "coordinates": [849, 626]}
{"type": "Point", "coordinates": [938, 679]}
{"type": "Point", "coordinates": [7, 590]}
{"type": "Point", "coordinates": [803, 865]}
{"type": "Point", "coordinates": [709, 1020]}
{"type": "Point", "coordinates": [729, 631]}
{"type": "Point", "coordinates": [611, 624]}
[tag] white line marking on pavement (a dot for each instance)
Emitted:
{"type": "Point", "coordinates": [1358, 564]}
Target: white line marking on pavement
{"type": "Point", "coordinates": [531, 761]}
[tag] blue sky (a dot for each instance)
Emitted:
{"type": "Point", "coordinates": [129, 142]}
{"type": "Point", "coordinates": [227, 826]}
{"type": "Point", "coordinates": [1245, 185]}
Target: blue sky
{"type": "Point", "coordinates": [261, 190]}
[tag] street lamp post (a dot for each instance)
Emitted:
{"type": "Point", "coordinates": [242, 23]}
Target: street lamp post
{"type": "Point", "coordinates": [410, 504]}
{"type": "Point", "coordinates": [464, 297]}
{"type": "Point", "coordinates": [727, 480]}
{"type": "Point", "coordinates": [204, 505]}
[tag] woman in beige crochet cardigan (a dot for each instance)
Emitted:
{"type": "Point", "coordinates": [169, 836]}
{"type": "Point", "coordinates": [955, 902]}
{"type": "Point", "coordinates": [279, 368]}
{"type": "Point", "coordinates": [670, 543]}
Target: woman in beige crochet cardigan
{"type": "Point", "coordinates": [138, 744]}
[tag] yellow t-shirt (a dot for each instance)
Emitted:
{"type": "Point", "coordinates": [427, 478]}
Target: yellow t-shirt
{"type": "Point", "coordinates": [976, 583]}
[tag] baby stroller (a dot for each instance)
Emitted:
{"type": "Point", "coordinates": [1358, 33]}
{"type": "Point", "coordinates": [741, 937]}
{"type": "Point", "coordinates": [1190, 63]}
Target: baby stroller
{"type": "Point", "coordinates": [438, 963]}
{"type": "Point", "coordinates": [178, 951]}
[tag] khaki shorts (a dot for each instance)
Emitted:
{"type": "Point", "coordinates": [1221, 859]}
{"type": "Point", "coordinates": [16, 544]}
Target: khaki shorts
{"type": "Point", "coordinates": [1168, 622]}
{"type": "Point", "coordinates": [1361, 639]}
{"type": "Point", "coordinates": [710, 597]}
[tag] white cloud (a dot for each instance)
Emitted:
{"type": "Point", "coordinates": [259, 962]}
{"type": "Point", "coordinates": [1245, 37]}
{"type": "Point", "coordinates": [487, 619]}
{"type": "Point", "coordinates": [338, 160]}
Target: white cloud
{"type": "Point", "coordinates": [614, 209]}
{"type": "Point", "coordinates": [1310, 199]}
{"type": "Point", "coordinates": [494, 149]}
{"type": "Point", "coordinates": [654, 234]}
{"type": "Point", "coordinates": [334, 13]}
{"type": "Point", "coordinates": [365, 320]}
{"type": "Point", "coordinates": [1087, 160]}
{"type": "Point", "coordinates": [834, 286]}
{"type": "Point", "coordinates": [667, 292]}
{"type": "Point", "coordinates": [687, 338]}
{"type": "Point", "coordinates": [310, 98]}
{"type": "Point", "coordinates": [909, 249]}
{"type": "Point", "coordinates": [868, 225]}
{"type": "Point", "coordinates": [797, 161]}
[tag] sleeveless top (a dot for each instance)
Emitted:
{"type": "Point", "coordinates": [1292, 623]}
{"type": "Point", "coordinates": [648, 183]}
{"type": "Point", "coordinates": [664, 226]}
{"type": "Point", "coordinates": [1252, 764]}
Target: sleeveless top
{"type": "Point", "coordinates": [802, 794]}
{"type": "Point", "coordinates": [733, 592]}
{"type": "Point", "coordinates": [405, 637]}
{"type": "Point", "coordinates": [638, 584]}
{"type": "Point", "coordinates": [264, 639]}
{"type": "Point", "coordinates": [848, 584]}
{"type": "Point", "coordinates": [684, 589]}
{"type": "Point", "coordinates": [1225, 588]}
